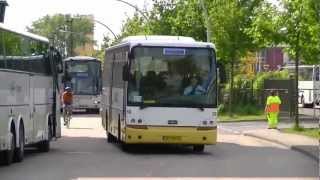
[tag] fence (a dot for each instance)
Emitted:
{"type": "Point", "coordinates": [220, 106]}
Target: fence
{"type": "Point", "coordinates": [252, 102]}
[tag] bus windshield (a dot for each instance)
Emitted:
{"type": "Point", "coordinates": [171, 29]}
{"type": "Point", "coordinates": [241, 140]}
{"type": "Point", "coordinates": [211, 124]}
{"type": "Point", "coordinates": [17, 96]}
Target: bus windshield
{"type": "Point", "coordinates": [85, 77]}
{"type": "Point", "coordinates": [178, 77]}
{"type": "Point", "coordinates": [305, 74]}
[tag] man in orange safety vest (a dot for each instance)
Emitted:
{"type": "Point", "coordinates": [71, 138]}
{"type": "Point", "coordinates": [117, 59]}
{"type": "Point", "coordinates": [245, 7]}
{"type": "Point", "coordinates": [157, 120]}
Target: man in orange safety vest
{"type": "Point", "coordinates": [272, 109]}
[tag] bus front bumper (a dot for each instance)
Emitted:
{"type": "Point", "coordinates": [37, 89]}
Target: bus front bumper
{"type": "Point", "coordinates": [170, 135]}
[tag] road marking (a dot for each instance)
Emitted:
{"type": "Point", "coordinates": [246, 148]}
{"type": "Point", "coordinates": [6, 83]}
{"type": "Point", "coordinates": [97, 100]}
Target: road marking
{"type": "Point", "coordinates": [78, 152]}
{"type": "Point", "coordinates": [193, 178]}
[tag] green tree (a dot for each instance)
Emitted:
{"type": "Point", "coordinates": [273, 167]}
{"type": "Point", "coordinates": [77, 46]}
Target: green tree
{"type": "Point", "coordinates": [300, 20]}
{"type": "Point", "coordinates": [168, 17]}
{"type": "Point", "coordinates": [58, 29]}
{"type": "Point", "coordinates": [229, 20]}
{"type": "Point", "coordinates": [265, 28]}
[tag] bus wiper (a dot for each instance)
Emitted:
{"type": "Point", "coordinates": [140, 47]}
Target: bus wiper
{"type": "Point", "coordinates": [201, 108]}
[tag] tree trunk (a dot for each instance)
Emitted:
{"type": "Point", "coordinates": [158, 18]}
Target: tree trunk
{"type": "Point", "coordinates": [231, 89]}
{"type": "Point", "coordinates": [296, 108]}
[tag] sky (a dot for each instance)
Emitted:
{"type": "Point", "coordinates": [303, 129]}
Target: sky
{"type": "Point", "coordinates": [21, 13]}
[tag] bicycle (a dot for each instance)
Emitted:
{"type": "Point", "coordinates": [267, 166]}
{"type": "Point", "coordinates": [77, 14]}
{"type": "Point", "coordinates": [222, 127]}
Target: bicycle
{"type": "Point", "coordinates": [67, 115]}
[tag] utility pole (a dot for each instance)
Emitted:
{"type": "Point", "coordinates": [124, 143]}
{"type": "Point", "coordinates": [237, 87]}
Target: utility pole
{"type": "Point", "coordinates": [69, 22]}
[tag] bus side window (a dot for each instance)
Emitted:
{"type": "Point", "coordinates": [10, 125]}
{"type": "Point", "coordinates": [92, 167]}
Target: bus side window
{"type": "Point", "coordinates": [317, 73]}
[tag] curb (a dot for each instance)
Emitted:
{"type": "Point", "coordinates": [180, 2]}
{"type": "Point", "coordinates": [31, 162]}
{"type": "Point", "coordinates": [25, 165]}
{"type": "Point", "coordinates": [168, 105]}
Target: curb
{"type": "Point", "coordinates": [314, 157]}
{"type": "Point", "coordinates": [263, 120]}
{"type": "Point", "coordinates": [235, 121]}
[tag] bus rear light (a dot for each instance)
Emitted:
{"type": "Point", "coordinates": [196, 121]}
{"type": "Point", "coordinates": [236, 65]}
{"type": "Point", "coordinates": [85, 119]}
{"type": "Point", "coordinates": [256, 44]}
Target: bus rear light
{"type": "Point", "coordinates": [137, 126]}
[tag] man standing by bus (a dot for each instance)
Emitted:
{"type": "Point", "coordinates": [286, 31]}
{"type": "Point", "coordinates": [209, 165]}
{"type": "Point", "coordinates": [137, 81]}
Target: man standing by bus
{"type": "Point", "coordinates": [272, 109]}
{"type": "Point", "coordinates": [67, 99]}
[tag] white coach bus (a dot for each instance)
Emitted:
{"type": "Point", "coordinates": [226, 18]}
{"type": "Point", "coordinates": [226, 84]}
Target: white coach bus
{"type": "Point", "coordinates": [308, 84]}
{"type": "Point", "coordinates": [29, 112]}
{"type": "Point", "coordinates": [160, 90]}
{"type": "Point", "coordinates": [84, 77]}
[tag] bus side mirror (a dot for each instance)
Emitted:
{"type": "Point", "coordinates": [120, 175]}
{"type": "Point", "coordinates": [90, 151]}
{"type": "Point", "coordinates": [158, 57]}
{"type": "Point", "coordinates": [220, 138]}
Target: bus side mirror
{"type": "Point", "coordinates": [58, 58]}
{"type": "Point", "coordinates": [221, 73]}
{"type": "Point", "coordinates": [66, 78]}
{"type": "Point", "coordinates": [125, 73]}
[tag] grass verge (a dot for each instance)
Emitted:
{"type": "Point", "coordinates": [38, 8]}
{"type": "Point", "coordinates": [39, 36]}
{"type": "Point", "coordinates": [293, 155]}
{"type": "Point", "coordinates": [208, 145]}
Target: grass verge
{"type": "Point", "coordinates": [310, 132]}
{"type": "Point", "coordinates": [239, 118]}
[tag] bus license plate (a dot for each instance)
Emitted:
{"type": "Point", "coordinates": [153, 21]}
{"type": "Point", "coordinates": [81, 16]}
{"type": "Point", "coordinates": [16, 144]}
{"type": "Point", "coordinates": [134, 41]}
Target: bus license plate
{"type": "Point", "coordinates": [171, 138]}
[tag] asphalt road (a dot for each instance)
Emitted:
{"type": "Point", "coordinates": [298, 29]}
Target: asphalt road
{"type": "Point", "coordinates": [83, 153]}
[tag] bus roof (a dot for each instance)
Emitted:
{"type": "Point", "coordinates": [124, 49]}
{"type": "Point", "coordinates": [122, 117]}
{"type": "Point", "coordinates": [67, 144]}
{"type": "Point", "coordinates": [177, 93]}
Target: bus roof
{"type": "Point", "coordinates": [174, 41]}
{"type": "Point", "coordinates": [25, 34]}
{"type": "Point", "coordinates": [81, 58]}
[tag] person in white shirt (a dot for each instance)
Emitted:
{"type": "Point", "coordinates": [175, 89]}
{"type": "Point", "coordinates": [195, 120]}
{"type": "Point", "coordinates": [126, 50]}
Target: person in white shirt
{"type": "Point", "coordinates": [194, 88]}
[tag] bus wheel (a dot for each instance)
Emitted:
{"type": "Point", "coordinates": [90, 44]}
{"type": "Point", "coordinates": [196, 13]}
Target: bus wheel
{"type": "Point", "coordinates": [6, 157]}
{"type": "Point", "coordinates": [302, 103]}
{"type": "Point", "coordinates": [19, 152]}
{"type": "Point", "coordinates": [198, 148]}
{"type": "Point", "coordinates": [44, 146]}
{"type": "Point", "coordinates": [111, 138]}
{"type": "Point", "coordinates": [125, 147]}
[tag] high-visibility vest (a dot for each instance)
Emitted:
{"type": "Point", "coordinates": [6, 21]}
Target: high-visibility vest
{"type": "Point", "coordinates": [273, 103]}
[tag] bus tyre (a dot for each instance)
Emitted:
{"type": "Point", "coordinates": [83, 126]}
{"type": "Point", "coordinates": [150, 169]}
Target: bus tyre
{"type": "Point", "coordinates": [198, 148]}
{"type": "Point", "coordinates": [302, 103]}
{"type": "Point", "coordinates": [125, 147]}
{"type": "Point", "coordinates": [19, 152]}
{"type": "Point", "coordinates": [44, 146]}
{"type": "Point", "coordinates": [110, 138]}
{"type": "Point", "coordinates": [6, 157]}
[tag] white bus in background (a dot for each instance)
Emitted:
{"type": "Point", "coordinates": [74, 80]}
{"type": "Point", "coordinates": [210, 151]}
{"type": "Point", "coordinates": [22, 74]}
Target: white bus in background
{"type": "Point", "coordinates": [309, 84]}
{"type": "Point", "coordinates": [147, 97]}
{"type": "Point", "coordinates": [29, 112]}
{"type": "Point", "coordinates": [83, 75]}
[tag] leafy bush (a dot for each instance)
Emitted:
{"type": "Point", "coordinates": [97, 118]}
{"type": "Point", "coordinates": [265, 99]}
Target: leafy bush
{"type": "Point", "coordinates": [261, 77]}
{"type": "Point", "coordinates": [241, 109]}
{"type": "Point", "coordinates": [247, 92]}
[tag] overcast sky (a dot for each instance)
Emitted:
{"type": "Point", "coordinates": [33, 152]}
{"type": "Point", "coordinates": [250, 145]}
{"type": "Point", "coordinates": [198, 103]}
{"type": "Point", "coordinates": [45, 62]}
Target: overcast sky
{"type": "Point", "coordinates": [21, 13]}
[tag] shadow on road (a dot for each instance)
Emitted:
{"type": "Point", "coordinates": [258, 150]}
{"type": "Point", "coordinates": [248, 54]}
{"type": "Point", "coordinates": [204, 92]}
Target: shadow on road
{"type": "Point", "coordinates": [76, 157]}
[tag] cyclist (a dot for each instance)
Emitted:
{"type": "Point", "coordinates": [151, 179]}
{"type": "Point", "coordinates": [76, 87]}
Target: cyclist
{"type": "Point", "coordinates": [67, 98]}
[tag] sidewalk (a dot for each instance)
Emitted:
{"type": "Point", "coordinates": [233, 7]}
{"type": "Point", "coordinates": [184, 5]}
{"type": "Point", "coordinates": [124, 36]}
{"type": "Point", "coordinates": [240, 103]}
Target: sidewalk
{"type": "Point", "coordinates": [305, 145]}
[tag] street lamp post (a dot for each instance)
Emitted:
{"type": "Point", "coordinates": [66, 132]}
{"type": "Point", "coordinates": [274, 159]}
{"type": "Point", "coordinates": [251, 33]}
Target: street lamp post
{"type": "Point", "coordinates": [99, 22]}
{"type": "Point", "coordinates": [135, 7]}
